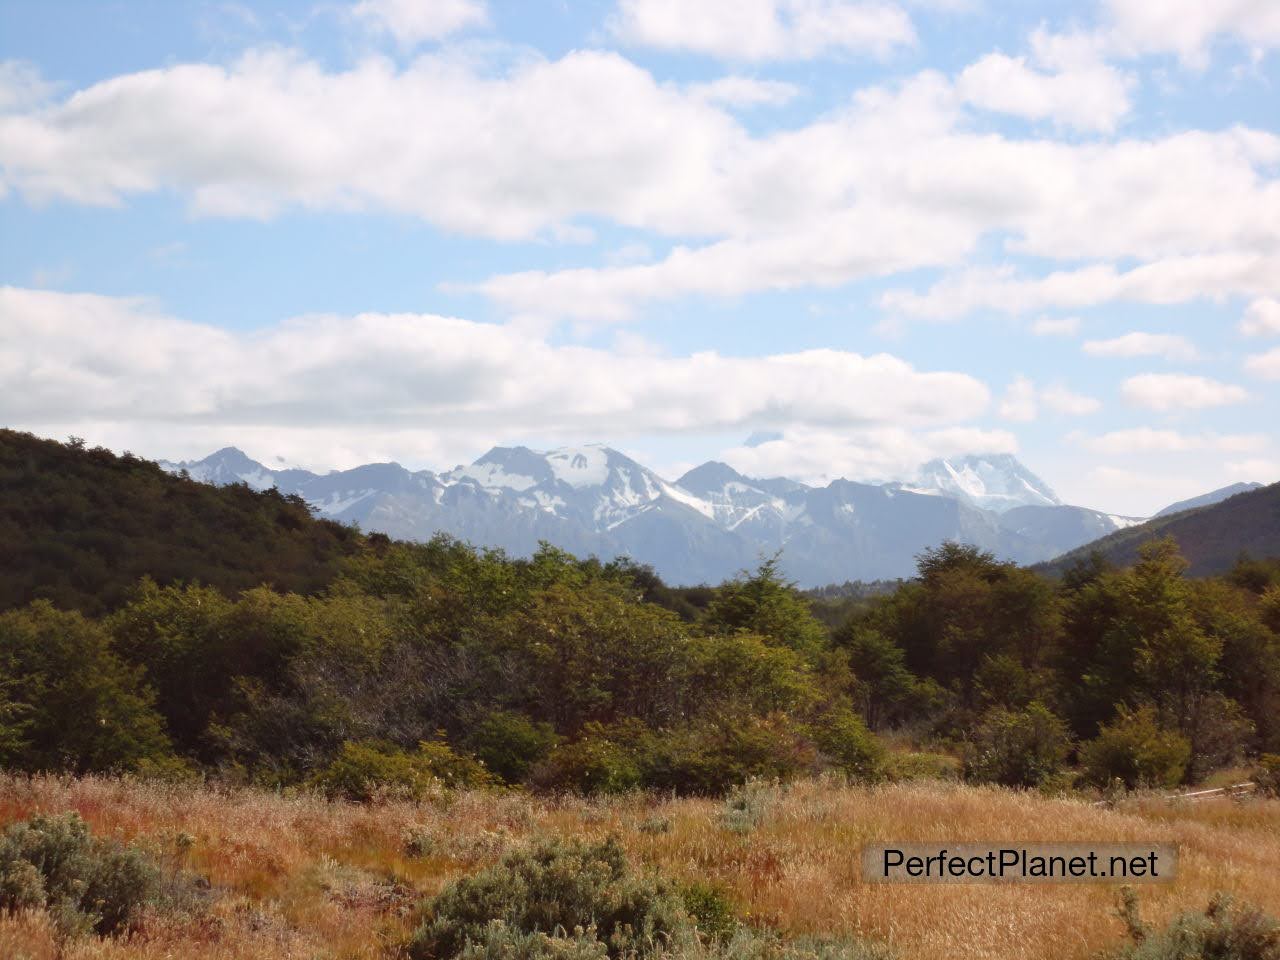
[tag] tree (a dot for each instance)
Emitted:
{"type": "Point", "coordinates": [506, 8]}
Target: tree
{"type": "Point", "coordinates": [83, 708]}
{"type": "Point", "coordinates": [766, 604]}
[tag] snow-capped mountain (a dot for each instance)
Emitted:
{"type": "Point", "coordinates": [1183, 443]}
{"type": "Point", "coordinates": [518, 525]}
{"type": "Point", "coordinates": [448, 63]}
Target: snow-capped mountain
{"type": "Point", "coordinates": [991, 481]}
{"type": "Point", "coordinates": [706, 526]}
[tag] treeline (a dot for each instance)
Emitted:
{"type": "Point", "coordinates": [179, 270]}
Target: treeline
{"type": "Point", "coordinates": [419, 664]}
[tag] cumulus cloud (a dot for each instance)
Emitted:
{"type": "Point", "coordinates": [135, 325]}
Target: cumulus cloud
{"type": "Point", "coordinates": [411, 22]}
{"type": "Point", "coordinates": [69, 358]}
{"type": "Point", "coordinates": [1153, 440]}
{"type": "Point", "coordinates": [1178, 391]}
{"type": "Point", "coordinates": [1264, 365]}
{"type": "Point", "coordinates": [1187, 28]}
{"type": "Point", "coordinates": [1167, 345]}
{"type": "Point", "coordinates": [1065, 79]}
{"type": "Point", "coordinates": [755, 30]}
{"type": "Point", "coordinates": [893, 180]}
{"type": "Point", "coordinates": [740, 91]}
{"type": "Point", "coordinates": [1061, 400]}
{"type": "Point", "coordinates": [870, 454]}
{"type": "Point", "coordinates": [1019, 403]}
{"type": "Point", "coordinates": [1261, 318]}
{"type": "Point", "coordinates": [1170, 280]}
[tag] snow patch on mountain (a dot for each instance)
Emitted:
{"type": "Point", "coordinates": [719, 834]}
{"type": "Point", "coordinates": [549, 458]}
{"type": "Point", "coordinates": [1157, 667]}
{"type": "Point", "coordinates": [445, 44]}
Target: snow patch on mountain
{"type": "Point", "coordinates": [995, 482]}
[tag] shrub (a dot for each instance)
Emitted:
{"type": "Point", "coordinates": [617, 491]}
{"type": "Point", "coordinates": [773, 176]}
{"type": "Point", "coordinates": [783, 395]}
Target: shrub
{"type": "Point", "coordinates": [551, 888]}
{"type": "Point", "coordinates": [503, 942]}
{"type": "Point", "coordinates": [85, 883]}
{"type": "Point", "coordinates": [711, 909]}
{"type": "Point", "coordinates": [745, 806]}
{"type": "Point", "coordinates": [922, 765]}
{"type": "Point", "coordinates": [1134, 749]}
{"type": "Point", "coordinates": [364, 769]}
{"type": "Point", "coordinates": [1017, 748]}
{"type": "Point", "coordinates": [509, 744]}
{"type": "Point", "coordinates": [1267, 776]}
{"type": "Point", "coordinates": [1223, 932]}
{"type": "Point", "coordinates": [848, 745]}
{"type": "Point", "coordinates": [602, 760]}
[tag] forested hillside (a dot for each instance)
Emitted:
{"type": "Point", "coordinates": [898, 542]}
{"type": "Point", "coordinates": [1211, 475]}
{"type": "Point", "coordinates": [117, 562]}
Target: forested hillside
{"type": "Point", "coordinates": [80, 526]}
{"type": "Point", "coordinates": [1212, 538]}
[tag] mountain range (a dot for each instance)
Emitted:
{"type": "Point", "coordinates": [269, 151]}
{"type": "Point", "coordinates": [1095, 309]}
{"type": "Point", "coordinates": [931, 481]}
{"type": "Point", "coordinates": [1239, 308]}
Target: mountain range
{"type": "Point", "coordinates": [708, 525]}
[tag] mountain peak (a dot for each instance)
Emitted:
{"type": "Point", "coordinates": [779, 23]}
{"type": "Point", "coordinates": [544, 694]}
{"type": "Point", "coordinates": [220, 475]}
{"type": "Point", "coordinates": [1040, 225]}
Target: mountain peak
{"type": "Point", "coordinates": [993, 481]}
{"type": "Point", "coordinates": [711, 477]}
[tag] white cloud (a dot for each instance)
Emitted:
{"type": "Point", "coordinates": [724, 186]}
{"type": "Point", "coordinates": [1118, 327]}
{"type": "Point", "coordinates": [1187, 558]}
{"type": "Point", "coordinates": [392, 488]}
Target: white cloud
{"type": "Point", "coordinates": [871, 454]}
{"type": "Point", "coordinates": [81, 358]}
{"type": "Point", "coordinates": [1019, 403]}
{"type": "Point", "coordinates": [1261, 318]}
{"type": "Point", "coordinates": [1055, 326]}
{"type": "Point", "coordinates": [891, 181]}
{"type": "Point", "coordinates": [756, 30]}
{"type": "Point", "coordinates": [1066, 81]}
{"type": "Point", "coordinates": [1166, 281]}
{"type": "Point", "coordinates": [1061, 400]}
{"type": "Point", "coordinates": [1022, 400]}
{"type": "Point", "coordinates": [1264, 365]}
{"type": "Point", "coordinates": [1167, 345]}
{"type": "Point", "coordinates": [1143, 440]}
{"type": "Point", "coordinates": [1187, 27]}
{"type": "Point", "coordinates": [412, 22]}
{"type": "Point", "coordinates": [739, 91]}
{"type": "Point", "coordinates": [21, 86]}
{"type": "Point", "coordinates": [1177, 391]}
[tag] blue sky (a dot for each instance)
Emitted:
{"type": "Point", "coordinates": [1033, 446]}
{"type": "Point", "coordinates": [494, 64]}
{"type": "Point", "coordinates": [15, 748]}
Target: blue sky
{"type": "Point", "coordinates": [877, 232]}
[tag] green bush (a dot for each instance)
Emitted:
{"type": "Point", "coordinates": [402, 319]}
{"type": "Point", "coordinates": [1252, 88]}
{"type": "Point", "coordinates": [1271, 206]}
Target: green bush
{"type": "Point", "coordinates": [509, 744]}
{"type": "Point", "coordinates": [602, 760]}
{"type": "Point", "coordinates": [1223, 932]}
{"type": "Point", "coordinates": [1136, 751]}
{"type": "Point", "coordinates": [365, 769]}
{"type": "Point", "coordinates": [1017, 748]}
{"type": "Point", "coordinates": [922, 765]}
{"type": "Point", "coordinates": [87, 884]}
{"type": "Point", "coordinates": [551, 888]}
{"type": "Point", "coordinates": [1267, 775]}
{"type": "Point", "coordinates": [711, 909]}
{"type": "Point", "coordinates": [503, 942]}
{"type": "Point", "coordinates": [848, 746]}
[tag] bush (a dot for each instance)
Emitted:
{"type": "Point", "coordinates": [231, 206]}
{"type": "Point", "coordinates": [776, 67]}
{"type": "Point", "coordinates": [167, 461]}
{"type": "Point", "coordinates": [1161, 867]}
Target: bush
{"type": "Point", "coordinates": [745, 806]}
{"type": "Point", "coordinates": [367, 768]}
{"type": "Point", "coordinates": [922, 765]}
{"type": "Point", "coordinates": [509, 744]}
{"type": "Point", "coordinates": [549, 889]}
{"type": "Point", "coordinates": [847, 744]}
{"type": "Point", "coordinates": [1223, 932]}
{"type": "Point", "coordinates": [1135, 750]}
{"type": "Point", "coordinates": [602, 760]}
{"type": "Point", "coordinates": [1267, 776]}
{"type": "Point", "coordinates": [711, 909]}
{"type": "Point", "coordinates": [1017, 748]}
{"type": "Point", "coordinates": [85, 883]}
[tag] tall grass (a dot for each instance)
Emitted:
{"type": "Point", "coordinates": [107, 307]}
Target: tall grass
{"type": "Point", "coordinates": [302, 877]}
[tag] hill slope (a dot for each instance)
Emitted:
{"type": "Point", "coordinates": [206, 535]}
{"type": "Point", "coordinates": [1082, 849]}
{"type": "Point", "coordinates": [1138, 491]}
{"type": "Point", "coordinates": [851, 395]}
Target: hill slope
{"type": "Point", "coordinates": [79, 527]}
{"type": "Point", "coordinates": [1211, 538]}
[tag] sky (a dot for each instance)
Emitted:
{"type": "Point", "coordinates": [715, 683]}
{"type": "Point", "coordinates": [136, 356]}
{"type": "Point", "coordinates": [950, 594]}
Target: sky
{"type": "Point", "coordinates": [811, 238]}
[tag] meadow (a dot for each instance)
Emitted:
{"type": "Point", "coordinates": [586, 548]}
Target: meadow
{"type": "Point", "coordinates": [301, 876]}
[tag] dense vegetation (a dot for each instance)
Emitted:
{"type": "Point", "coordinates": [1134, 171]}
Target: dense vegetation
{"type": "Point", "coordinates": [1212, 537]}
{"type": "Point", "coordinates": [371, 666]}
{"type": "Point", "coordinates": [80, 526]}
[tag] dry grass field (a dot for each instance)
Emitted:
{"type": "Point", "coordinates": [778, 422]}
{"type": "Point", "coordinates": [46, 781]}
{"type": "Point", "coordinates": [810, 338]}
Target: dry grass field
{"type": "Point", "coordinates": [301, 877]}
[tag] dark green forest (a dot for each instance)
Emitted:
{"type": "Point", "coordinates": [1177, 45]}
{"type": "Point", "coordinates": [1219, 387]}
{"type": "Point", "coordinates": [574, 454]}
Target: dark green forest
{"type": "Point", "coordinates": [159, 626]}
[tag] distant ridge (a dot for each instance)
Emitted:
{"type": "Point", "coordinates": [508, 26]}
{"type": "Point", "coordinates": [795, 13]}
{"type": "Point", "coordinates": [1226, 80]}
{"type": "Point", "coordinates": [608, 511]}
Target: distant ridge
{"type": "Point", "coordinates": [1211, 537]}
{"type": "Point", "coordinates": [706, 526]}
{"type": "Point", "coordinates": [1208, 499]}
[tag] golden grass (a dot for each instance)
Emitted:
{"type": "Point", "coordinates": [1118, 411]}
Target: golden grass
{"type": "Point", "coordinates": [299, 877]}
